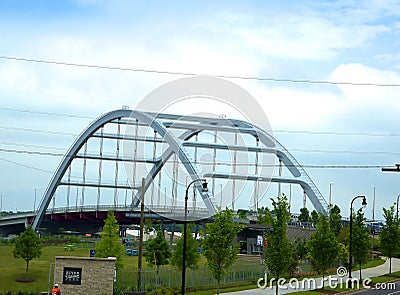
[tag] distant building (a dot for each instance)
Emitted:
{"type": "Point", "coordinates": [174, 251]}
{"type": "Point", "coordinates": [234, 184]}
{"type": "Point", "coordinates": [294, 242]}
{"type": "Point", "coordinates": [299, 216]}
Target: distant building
{"type": "Point", "coordinates": [252, 240]}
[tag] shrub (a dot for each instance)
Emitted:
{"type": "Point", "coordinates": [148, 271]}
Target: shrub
{"type": "Point", "coordinates": [164, 291]}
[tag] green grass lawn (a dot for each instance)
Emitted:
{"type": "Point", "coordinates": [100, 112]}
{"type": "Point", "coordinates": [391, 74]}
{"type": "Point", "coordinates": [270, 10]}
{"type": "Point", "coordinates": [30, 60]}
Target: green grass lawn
{"type": "Point", "coordinates": [12, 268]}
{"type": "Point", "coordinates": [372, 263]}
{"type": "Point", "coordinates": [307, 293]}
{"type": "Point", "coordinates": [396, 273]}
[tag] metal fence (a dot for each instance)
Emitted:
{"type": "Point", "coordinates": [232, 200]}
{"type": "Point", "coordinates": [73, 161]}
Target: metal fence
{"type": "Point", "coordinates": [197, 278]}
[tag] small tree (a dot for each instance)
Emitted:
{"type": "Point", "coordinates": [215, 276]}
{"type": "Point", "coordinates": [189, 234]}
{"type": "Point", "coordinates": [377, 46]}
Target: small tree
{"type": "Point", "coordinates": [361, 242]}
{"type": "Point", "coordinates": [390, 235]}
{"type": "Point", "coordinates": [295, 261]}
{"type": "Point", "coordinates": [304, 215]}
{"type": "Point", "coordinates": [314, 216]}
{"type": "Point", "coordinates": [344, 235]}
{"type": "Point", "coordinates": [335, 219]}
{"type": "Point", "coordinates": [219, 247]}
{"type": "Point", "coordinates": [323, 246]}
{"type": "Point", "coordinates": [264, 216]}
{"type": "Point", "coordinates": [157, 251]}
{"type": "Point", "coordinates": [109, 245]}
{"type": "Point", "coordinates": [28, 246]}
{"type": "Point", "coordinates": [279, 251]}
{"type": "Point", "coordinates": [192, 251]}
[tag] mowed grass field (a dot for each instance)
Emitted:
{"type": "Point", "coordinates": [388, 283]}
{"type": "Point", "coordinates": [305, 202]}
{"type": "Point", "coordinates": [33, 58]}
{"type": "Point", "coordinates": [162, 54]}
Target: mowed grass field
{"type": "Point", "coordinates": [12, 268]}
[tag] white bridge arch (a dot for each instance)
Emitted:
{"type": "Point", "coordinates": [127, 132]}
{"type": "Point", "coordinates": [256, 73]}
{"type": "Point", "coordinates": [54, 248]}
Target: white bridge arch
{"type": "Point", "coordinates": [174, 133]}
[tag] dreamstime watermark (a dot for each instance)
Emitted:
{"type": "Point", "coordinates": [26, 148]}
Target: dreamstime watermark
{"type": "Point", "coordinates": [330, 281]}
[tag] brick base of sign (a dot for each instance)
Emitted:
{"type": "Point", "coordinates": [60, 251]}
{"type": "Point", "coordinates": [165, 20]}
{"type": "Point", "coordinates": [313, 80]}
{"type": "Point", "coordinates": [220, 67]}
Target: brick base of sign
{"type": "Point", "coordinates": [84, 275]}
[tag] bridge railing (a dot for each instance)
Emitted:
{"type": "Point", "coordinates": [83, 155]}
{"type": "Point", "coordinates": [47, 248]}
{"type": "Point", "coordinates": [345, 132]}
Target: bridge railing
{"type": "Point", "coordinates": [155, 209]}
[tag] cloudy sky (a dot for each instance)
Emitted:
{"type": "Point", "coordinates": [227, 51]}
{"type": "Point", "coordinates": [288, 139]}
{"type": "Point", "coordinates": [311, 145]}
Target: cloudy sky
{"type": "Point", "coordinates": [342, 131]}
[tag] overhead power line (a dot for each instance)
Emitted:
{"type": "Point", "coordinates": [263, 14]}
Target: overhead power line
{"type": "Point", "coordinates": [268, 79]}
{"type": "Point", "coordinates": [334, 133]}
{"type": "Point", "coordinates": [38, 131]}
{"type": "Point", "coordinates": [219, 163]}
{"type": "Point", "coordinates": [26, 166]}
{"type": "Point", "coordinates": [92, 118]}
{"type": "Point", "coordinates": [45, 113]}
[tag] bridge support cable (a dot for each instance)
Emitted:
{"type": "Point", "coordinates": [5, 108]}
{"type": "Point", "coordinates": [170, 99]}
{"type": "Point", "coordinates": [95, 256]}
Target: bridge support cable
{"type": "Point", "coordinates": [256, 183]}
{"type": "Point", "coordinates": [214, 164]}
{"type": "Point", "coordinates": [196, 138]}
{"type": "Point", "coordinates": [234, 172]}
{"type": "Point", "coordinates": [68, 189]}
{"type": "Point", "coordinates": [174, 187]}
{"type": "Point", "coordinates": [117, 165]}
{"type": "Point", "coordinates": [54, 202]}
{"type": "Point", "coordinates": [100, 169]}
{"type": "Point", "coordinates": [154, 158]}
{"type": "Point", "coordinates": [126, 193]}
{"type": "Point", "coordinates": [83, 176]}
{"type": "Point", "coordinates": [135, 199]}
{"type": "Point", "coordinates": [77, 197]}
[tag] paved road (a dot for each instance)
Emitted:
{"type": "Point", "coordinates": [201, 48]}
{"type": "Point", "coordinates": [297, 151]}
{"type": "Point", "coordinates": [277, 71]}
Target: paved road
{"type": "Point", "coordinates": [367, 273]}
{"type": "Point", "coordinates": [385, 289]}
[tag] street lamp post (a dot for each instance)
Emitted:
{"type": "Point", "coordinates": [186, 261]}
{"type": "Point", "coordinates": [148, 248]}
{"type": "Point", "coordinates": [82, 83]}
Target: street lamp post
{"type": "Point", "coordinates": [1, 203]}
{"type": "Point", "coordinates": [330, 193]}
{"type": "Point", "coordinates": [364, 203]}
{"type": "Point", "coordinates": [204, 190]}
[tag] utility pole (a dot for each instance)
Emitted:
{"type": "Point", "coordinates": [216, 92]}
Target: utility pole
{"type": "Point", "coordinates": [373, 220]}
{"type": "Point", "coordinates": [139, 281]}
{"type": "Point", "coordinates": [1, 203]}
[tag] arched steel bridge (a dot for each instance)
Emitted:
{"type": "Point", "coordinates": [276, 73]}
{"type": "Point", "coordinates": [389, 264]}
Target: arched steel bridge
{"type": "Point", "coordinates": [111, 156]}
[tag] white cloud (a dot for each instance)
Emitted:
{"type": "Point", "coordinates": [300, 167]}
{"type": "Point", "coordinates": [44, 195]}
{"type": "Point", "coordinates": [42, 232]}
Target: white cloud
{"type": "Point", "coordinates": [304, 109]}
{"type": "Point", "coordinates": [306, 38]}
{"type": "Point", "coordinates": [367, 95]}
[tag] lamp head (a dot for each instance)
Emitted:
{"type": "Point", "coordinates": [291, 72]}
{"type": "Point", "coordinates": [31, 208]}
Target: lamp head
{"type": "Point", "coordinates": [205, 188]}
{"type": "Point", "coordinates": [364, 201]}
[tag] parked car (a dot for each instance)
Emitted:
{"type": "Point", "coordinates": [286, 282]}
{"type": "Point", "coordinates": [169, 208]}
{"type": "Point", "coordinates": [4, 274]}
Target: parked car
{"type": "Point", "coordinates": [375, 227]}
{"type": "Point", "coordinates": [132, 252]}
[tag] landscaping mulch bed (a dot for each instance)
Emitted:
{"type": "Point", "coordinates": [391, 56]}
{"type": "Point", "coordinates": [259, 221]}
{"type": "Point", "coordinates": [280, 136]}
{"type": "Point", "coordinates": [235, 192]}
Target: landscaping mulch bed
{"type": "Point", "coordinates": [25, 280]}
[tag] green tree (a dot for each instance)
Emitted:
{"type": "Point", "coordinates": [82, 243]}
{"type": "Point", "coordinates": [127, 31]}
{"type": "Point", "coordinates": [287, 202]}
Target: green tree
{"type": "Point", "coordinates": [314, 216]}
{"type": "Point", "coordinates": [335, 219]}
{"type": "Point", "coordinates": [192, 251]}
{"type": "Point", "coordinates": [157, 250]}
{"type": "Point", "coordinates": [344, 235]}
{"type": "Point", "coordinates": [242, 215]}
{"type": "Point", "coordinates": [264, 216]}
{"type": "Point", "coordinates": [148, 226]}
{"type": "Point", "coordinates": [323, 246]}
{"type": "Point", "coordinates": [279, 250]}
{"type": "Point", "coordinates": [343, 254]}
{"type": "Point", "coordinates": [110, 243]}
{"type": "Point", "coordinates": [301, 250]}
{"type": "Point", "coordinates": [304, 215]}
{"type": "Point", "coordinates": [361, 242]}
{"type": "Point", "coordinates": [28, 246]}
{"type": "Point", "coordinates": [295, 261]}
{"type": "Point", "coordinates": [390, 235]}
{"type": "Point", "coordinates": [219, 247]}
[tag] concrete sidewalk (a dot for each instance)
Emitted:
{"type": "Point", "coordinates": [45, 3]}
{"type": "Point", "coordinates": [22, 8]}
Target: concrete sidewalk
{"type": "Point", "coordinates": [366, 273]}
